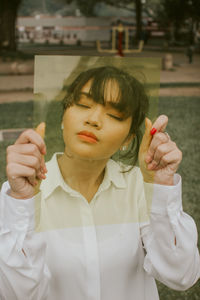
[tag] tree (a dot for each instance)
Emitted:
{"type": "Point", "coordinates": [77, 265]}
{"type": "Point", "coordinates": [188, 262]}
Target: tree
{"type": "Point", "coordinates": [8, 15]}
{"type": "Point", "coordinates": [86, 7]}
{"type": "Point", "coordinates": [173, 14]}
{"type": "Point", "coordinates": [138, 8]}
{"type": "Point", "coordinates": [194, 17]}
{"type": "Point", "coordinates": [31, 7]}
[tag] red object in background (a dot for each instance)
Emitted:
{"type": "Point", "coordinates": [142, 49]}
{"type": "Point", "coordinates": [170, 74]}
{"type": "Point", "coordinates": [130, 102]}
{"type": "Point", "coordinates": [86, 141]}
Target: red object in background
{"type": "Point", "coordinates": [120, 38]}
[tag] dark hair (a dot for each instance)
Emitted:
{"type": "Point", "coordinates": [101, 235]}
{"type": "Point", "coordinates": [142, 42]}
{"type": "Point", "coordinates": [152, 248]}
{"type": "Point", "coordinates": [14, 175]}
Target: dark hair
{"type": "Point", "coordinates": [131, 99]}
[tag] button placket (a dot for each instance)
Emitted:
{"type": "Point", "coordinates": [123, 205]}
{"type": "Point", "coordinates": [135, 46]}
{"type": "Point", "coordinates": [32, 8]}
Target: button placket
{"type": "Point", "coordinates": [21, 210]}
{"type": "Point", "coordinates": [21, 224]}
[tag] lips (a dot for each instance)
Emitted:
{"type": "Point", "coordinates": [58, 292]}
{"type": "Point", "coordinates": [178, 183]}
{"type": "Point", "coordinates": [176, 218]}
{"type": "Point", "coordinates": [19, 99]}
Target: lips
{"type": "Point", "coordinates": [88, 136]}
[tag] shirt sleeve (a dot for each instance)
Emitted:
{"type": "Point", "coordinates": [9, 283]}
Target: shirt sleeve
{"type": "Point", "coordinates": [23, 273]}
{"type": "Point", "coordinates": [170, 238]}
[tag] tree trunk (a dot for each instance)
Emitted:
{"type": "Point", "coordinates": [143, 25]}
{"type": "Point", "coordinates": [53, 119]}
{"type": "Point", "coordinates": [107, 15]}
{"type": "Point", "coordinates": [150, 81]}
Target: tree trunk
{"type": "Point", "coordinates": [138, 7]}
{"type": "Point", "coordinates": [8, 16]}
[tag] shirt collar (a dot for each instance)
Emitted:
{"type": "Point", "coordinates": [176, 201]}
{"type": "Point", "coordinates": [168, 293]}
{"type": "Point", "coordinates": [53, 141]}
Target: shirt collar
{"type": "Point", "coordinates": [54, 179]}
{"type": "Point", "coordinates": [113, 172]}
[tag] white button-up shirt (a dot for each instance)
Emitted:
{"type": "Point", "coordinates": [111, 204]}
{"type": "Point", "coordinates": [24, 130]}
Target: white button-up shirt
{"type": "Point", "coordinates": [111, 248]}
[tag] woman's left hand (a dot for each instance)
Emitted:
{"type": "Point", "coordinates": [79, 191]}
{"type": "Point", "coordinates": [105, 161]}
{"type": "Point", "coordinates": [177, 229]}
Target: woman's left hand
{"type": "Point", "coordinates": [159, 157]}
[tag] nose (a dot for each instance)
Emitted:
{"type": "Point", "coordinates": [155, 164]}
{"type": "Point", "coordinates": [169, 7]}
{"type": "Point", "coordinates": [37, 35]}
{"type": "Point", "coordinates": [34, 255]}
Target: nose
{"type": "Point", "coordinates": [94, 117]}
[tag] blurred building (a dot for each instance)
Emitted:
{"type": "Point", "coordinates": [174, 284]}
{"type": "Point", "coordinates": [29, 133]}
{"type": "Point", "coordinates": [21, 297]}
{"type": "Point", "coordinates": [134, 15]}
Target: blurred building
{"type": "Point", "coordinates": [71, 29]}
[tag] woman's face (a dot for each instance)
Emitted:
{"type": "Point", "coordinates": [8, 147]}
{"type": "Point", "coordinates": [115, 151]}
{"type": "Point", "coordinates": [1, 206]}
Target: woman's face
{"type": "Point", "coordinates": [94, 131]}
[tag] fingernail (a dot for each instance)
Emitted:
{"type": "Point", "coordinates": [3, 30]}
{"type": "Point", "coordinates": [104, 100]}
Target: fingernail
{"type": "Point", "coordinates": [153, 131]}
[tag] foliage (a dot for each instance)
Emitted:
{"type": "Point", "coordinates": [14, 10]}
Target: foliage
{"type": "Point", "coordinates": [173, 14]}
{"type": "Point", "coordinates": [172, 11]}
{"type": "Point", "coordinates": [177, 11]}
{"type": "Point", "coordinates": [194, 10]}
{"type": "Point", "coordinates": [30, 7]}
{"type": "Point", "coordinates": [88, 8]}
{"type": "Point", "coordinates": [8, 14]}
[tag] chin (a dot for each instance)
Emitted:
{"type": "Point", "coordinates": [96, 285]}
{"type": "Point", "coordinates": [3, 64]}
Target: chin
{"type": "Point", "coordinates": [83, 153]}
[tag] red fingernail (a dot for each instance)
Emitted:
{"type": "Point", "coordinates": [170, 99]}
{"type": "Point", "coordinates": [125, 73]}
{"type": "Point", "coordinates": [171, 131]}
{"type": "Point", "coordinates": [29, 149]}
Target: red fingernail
{"type": "Point", "coordinates": [153, 131]}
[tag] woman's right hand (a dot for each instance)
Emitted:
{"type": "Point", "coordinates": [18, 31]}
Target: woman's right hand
{"type": "Point", "coordinates": [25, 164]}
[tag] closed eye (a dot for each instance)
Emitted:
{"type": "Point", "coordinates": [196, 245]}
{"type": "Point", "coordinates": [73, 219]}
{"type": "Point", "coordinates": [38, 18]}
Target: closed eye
{"type": "Point", "coordinates": [82, 105]}
{"type": "Point", "coordinates": [116, 117]}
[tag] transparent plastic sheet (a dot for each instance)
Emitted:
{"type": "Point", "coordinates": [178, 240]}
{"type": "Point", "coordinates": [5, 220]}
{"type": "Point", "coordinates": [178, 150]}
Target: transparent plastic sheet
{"type": "Point", "coordinates": [52, 76]}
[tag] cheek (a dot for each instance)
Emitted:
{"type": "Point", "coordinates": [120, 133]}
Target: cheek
{"type": "Point", "coordinates": [68, 122]}
{"type": "Point", "coordinates": [119, 135]}
{"type": "Point", "coordinates": [123, 131]}
{"type": "Point", "coordinates": [69, 119]}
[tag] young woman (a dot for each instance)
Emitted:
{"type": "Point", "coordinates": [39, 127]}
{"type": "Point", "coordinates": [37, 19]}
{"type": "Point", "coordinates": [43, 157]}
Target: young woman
{"type": "Point", "coordinates": [103, 230]}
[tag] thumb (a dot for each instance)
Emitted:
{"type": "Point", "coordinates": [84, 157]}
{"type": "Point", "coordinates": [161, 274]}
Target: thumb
{"type": "Point", "coordinates": [40, 129]}
{"type": "Point", "coordinates": [147, 137]}
{"type": "Point", "coordinates": [148, 175]}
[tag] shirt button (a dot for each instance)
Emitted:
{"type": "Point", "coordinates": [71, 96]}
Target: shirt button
{"type": "Point", "coordinates": [21, 210]}
{"type": "Point", "coordinates": [20, 225]}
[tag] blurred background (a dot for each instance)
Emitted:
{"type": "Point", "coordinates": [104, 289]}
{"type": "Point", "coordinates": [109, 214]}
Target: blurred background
{"type": "Point", "coordinates": [165, 29]}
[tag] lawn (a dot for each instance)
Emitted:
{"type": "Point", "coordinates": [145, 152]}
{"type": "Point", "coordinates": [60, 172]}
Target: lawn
{"type": "Point", "coordinates": [184, 128]}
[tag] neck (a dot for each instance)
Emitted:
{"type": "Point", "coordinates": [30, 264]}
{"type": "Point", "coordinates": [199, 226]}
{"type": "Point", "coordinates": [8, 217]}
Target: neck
{"type": "Point", "coordinates": [84, 176]}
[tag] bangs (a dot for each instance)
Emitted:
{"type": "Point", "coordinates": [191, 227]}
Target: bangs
{"type": "Point", "coordinates": [112, 92]}
{"type": "Point", "coordinates": [108, 86]}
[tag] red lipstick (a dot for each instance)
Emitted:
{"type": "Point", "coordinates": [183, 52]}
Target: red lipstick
{"type": "Point", "coordinates": [88, 137]}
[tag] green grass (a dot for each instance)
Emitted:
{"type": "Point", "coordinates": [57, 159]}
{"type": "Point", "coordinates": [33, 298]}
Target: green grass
{"type": "Point", "coordinates": [16, 115]}
{"type": "Point", "coordinates": [184, 128]}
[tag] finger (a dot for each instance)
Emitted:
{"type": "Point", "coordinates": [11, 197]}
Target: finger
{"type": "Point", "coordinates": [32, 137]}
{"type": "Point", "coordinates": [158, 139]}
{"type": "Point", "coordinates": [43, 165]}
{"type": "Point", "coordinates": [161, 123]}
{"type": "Point", "coordinates": [146, 140]}
{"type": "Point", "coordinates": [27, 160]}
{"type": "Point", "coordinates": [163, 149]}
{"type": "Point", "coordinates": [160, 152]}
{"type": "Point", "coordinates": [15, 170]}
{"type": "Point", "coordinates": [40, 174]}
{"type": "Point", "coordinates": [172, 159]}
{"type": "Point", "coordinates": [23, 149]}
{"type": "Point", "coordinates": [26, 150]}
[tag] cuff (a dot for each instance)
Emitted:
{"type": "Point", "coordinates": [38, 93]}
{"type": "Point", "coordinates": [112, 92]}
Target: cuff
{"type": "Point", "coordinates": [16, 214]}
{"type": "Point", "coordinates": [163, 199]}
